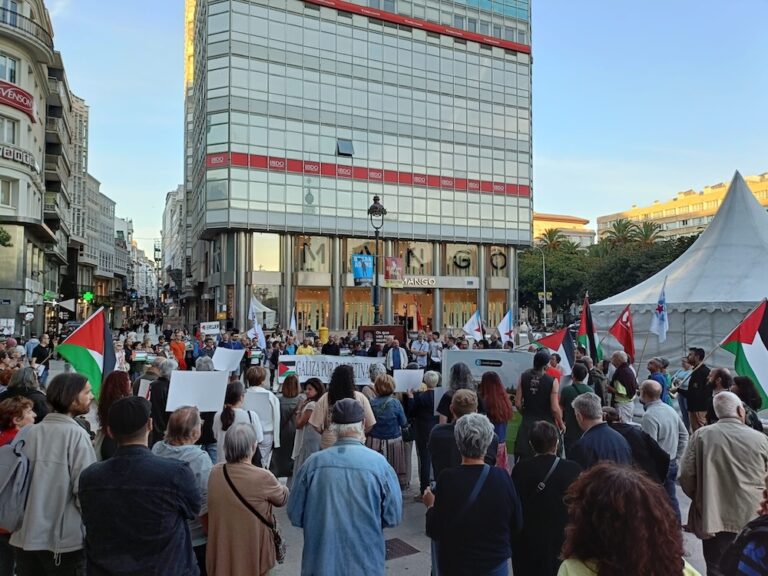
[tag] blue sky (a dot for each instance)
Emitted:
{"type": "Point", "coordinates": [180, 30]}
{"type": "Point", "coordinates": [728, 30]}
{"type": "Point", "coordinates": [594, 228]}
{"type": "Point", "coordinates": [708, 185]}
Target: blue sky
{"type": "Point", "coordinates": [632, 101]}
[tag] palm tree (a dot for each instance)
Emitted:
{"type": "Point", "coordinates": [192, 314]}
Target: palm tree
{"type": "Point", "coordinates": [648, 232]}
{"type": "Point", "coordinates": [552, 238]}
{"type": "Point", "coordinates": [569, 246]}
{"type": "Point", "coordinates": [621, 231]}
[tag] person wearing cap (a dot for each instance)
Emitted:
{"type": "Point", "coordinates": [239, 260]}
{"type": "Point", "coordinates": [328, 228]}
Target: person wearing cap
{"type": "Point", "coordinates": [50, 540]}
{"type": "Point", "coordinates": [321, 498]}
{"type": "Point", "coordinates": [136, 505]}
{"type": "Point", "coordinates": [538, 398]}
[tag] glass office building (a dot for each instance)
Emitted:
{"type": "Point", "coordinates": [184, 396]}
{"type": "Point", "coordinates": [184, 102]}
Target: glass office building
{"type": "Point", "coordinates": [302, 111]}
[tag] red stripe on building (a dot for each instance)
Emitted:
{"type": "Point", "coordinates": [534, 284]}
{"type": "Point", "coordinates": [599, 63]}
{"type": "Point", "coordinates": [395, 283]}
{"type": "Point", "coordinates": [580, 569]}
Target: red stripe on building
{"type": "Point", "coordinates": [420, 24]}
{"type": "Point", "coordinates": [330, 170]}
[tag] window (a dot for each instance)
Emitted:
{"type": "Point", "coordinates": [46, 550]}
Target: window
{"type": "Point", "coordinates": [389, 5]}
{"type": "Point", "coordinates": [6, 193]}
{"type": "Point", "coordinates": [458, 21]}
{"type": "Point", "coordinates": [9, 11]}
{"type": "Point", "coordinates": [8, 130]}
{"type": "Point", "coordinates": [471, 24]}
{"type": "Point", "coordinates": [8, 67]}
{"type": "Point", "coordinates": [344, 147]}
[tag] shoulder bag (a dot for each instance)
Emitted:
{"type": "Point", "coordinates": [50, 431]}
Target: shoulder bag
{"type": "Point", "coordinates": [256, 460]}
{"type": "Point", "coordinates": [543, 484]}
{"type": "Point", "coordinates": [277, 538]}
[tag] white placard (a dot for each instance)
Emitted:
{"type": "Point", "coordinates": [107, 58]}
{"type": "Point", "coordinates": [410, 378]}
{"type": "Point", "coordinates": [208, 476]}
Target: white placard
{"type": "Point", "coordinates": [206, 390]}
{"type": "Point", "coordinates": [144, 388]}
{"type": "Point", "coordinates": [227, 360]}
{"type": "Point", "coordinates": [210, 328]}
{"type": "Point", "coordinates": [408, 380]}
{"type": "Point", "coordinates": [439, 393]}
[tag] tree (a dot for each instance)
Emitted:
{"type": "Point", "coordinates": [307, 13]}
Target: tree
{"type": "Point", "coordinates": [552, 238]}
{"type": "Point", "coordinates": [621, 231]}
{"type": "Point", "coordinates": [648, 232]}
{"type": "Point", "coordinates": [5, 238]}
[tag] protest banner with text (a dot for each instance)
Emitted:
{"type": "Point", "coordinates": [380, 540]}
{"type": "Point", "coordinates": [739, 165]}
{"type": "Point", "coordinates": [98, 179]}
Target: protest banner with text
{"type": "Point", "coordinates": [319, 366]}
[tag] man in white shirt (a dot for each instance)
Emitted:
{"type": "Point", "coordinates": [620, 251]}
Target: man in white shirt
{"type": "Point", "coordinates": [420, 350]}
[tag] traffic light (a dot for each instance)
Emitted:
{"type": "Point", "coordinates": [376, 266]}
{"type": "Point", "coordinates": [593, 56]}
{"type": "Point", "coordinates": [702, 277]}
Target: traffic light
{"type": "Point", "coordinates": [88, 296]}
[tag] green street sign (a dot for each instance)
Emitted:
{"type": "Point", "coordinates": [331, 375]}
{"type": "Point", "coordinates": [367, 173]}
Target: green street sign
{"type": "Point", "coordinates": [49, 296]}
{"type": "Point", "coordinates": [87, 296]}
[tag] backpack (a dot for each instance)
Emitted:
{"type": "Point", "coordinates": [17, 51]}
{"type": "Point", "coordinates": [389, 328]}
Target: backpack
{"type": "Point", "coordinates": [14, 481]}
{"type": "Point", "coordinates": [747, 554]}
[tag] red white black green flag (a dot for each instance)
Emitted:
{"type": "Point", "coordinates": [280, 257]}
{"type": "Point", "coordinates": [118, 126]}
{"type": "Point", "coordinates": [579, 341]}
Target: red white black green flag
{"type": "Point", "coordinates": [749, 343]}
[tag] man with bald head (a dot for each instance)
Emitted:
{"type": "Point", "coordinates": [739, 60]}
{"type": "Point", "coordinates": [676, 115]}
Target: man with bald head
{"type": "Point", "coordinates": [662, 423]}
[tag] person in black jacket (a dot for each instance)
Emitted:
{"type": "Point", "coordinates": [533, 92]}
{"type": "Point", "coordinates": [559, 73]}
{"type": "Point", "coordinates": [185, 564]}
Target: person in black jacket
{"type": "Point", "coordinates": [24, 383]}
{"type": "Point", "coordinates": [421, 409]}
{"type": "Point", "coordinates": [331, 348]}
{"type": "Point", "coordinates": [699, 393]}
{"type": "Point", "coordinates": [648, 456]}
{"type": "Point", "coordinates": [442, 447]}
{"type": "Point", "coordinates": [158, 396]}
{"type": "Point", "coordinates": [541, 485]}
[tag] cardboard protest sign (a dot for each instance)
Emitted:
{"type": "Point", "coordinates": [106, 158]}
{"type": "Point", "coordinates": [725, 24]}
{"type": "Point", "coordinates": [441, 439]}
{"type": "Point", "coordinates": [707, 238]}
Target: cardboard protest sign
{"type": "Point", "coordinates": [408, 380]}
{"type": "Point", "coordinates": [227, 360]}
{"type": "Point", "coordinates": [206, 390]}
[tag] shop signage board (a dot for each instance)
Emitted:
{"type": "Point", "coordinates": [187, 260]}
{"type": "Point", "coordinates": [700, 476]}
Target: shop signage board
{"type": "Point", "coordinates": [379, 333]}
{"type": "Point", "coordinates": [393, 272]}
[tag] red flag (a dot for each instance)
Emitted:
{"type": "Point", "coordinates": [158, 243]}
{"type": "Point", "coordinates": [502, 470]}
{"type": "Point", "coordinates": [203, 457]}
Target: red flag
{"type": "Point", "coordinates": [623, 332]}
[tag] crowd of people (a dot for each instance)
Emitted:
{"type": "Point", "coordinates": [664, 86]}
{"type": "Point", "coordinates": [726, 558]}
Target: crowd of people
{"type": "Point", "coordinates": [558, 474]}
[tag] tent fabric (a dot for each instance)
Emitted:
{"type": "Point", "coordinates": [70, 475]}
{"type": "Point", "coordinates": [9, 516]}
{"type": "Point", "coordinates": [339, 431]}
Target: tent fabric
{"type": "Point", "coordinates": [710, 287]}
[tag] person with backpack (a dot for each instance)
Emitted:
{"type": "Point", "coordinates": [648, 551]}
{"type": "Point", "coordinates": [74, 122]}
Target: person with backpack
{"type": "Point", "coordinates": [50, 539]}
{"type": "Point", "coordinates": [15, 414]}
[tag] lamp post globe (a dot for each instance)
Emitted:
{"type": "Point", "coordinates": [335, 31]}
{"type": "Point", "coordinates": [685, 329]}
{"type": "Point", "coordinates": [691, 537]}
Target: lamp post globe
{"type": "Point", "coordinates": [376, 213]}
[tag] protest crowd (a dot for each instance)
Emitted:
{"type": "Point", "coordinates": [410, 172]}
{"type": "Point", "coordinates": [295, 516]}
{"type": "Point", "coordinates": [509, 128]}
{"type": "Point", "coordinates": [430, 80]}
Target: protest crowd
{"type": "Point", "coordinates": [554, 473]}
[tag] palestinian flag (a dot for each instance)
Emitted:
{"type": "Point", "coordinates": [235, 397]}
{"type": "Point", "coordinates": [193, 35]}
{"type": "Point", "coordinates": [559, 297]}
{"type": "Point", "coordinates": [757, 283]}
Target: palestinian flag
{"type": "Point", "coordinates": [749, 343]}
{"type": "Point", "coordinates": [285, 368]}
{"type": "Point", "coordinates": [587, 334]}
{"type": "Point", "coordinates": [562, 343]}
{"type": "Point", "coordinates": [90, 350]}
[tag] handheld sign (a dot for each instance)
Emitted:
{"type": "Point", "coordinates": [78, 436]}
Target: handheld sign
{"type": "Point", "coordinates": [206, 390]}
{"type": "Point", "coordinates": [227, 360]}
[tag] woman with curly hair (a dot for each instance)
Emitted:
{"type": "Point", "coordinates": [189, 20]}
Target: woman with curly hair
{"type": "Point", "coordinates": [621, 524]}
{"type": "Point", "coordinates": [116, 385]}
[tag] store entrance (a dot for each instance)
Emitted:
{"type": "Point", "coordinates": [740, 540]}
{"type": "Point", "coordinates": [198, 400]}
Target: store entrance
{"type": "Point", "coordinates": [412, 309]}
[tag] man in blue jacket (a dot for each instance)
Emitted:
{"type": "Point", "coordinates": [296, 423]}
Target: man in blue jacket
{"type": "Point", "coordinates": [599, 441]}
{"type": "Point", "coordinates": [136, 505]}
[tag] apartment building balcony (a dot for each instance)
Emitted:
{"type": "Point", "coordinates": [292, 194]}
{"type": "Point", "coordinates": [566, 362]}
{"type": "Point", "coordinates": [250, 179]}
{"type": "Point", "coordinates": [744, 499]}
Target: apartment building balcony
{"type": "Point", "coordinates": [57, 166]}
{"type": "Point", "coordinates": [58, 93]}
{"type": "Point", "coordinates": [31, 34]}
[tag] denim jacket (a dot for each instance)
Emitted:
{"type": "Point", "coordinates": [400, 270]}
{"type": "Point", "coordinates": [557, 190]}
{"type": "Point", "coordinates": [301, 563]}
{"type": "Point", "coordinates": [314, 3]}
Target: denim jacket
{"type": "Point", "coordinates": [344, 497]}
{"type": "Point", "coordinates": [390, 418]}
{"type": "Point", "coordinates": [135, 508]}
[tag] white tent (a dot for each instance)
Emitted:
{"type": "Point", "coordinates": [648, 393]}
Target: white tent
{"type": "Point", "coordinates": [261, 313]}
{"type": "Point", "coordinates": [710, 287]}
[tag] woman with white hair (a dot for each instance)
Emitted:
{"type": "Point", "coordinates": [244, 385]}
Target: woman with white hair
{"type": "Point", "coordinates": [240, 501]}
{"type": "Point", "coordinates": [476, 510]}
{"type": "Point", "coordinates": [24, 383]}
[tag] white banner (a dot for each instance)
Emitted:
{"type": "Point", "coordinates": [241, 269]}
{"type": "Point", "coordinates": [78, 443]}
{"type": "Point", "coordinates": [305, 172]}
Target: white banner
{"type": "Point", "coordinates": [319, 366]}
{"type": "Point", "coordinates": [210, 328]}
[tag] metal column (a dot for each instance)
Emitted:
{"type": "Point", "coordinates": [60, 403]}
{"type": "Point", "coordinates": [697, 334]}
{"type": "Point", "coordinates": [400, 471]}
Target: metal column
{"type": "Point", "coordinates": [243, 288]}
{"type": "Point", "coordinates": [287, 297]}
{"type": "Point", "coordinates": [387, 316]}
{"type": "Point", "coordinates": [482, 292]}
{"type": "Point", "coordinates": [437, 293]}
{"type": "Point", "coordinates": [512, 286]}
{"type": "Point", "coordinates": [337, 306]}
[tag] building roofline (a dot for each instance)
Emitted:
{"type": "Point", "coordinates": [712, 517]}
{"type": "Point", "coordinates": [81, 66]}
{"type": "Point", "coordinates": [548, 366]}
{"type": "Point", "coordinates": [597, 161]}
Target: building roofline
{"type": "Point", "coordinates": [560, 218]}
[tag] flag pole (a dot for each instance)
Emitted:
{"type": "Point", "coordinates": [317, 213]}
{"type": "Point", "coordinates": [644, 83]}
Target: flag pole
{"type": "Point", "coordinates": [640, 358]}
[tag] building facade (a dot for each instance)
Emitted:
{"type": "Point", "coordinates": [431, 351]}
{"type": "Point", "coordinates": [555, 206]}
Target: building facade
{"type": "Point", "coordinates": [689, 212]}
{"type": "Point", "coordinates": [572, 228]}
{"type": "Point", "coordinates": [304, 110]}
{"type": "Point", "coordinates": [35, 142]}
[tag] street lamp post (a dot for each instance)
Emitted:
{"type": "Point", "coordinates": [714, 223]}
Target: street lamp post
{"type": "Point", "coordinates": [544, 277]}
{"type": "Point", "coordinates": [376, 214]}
